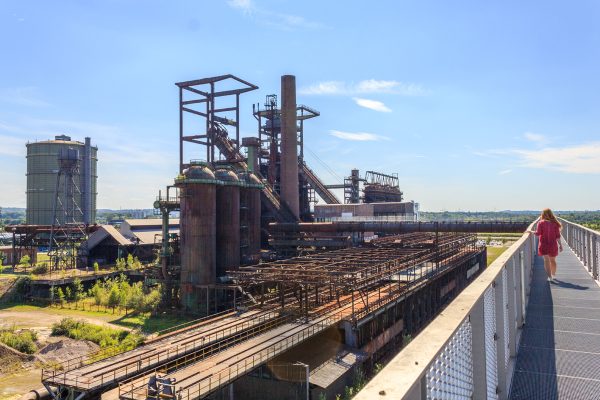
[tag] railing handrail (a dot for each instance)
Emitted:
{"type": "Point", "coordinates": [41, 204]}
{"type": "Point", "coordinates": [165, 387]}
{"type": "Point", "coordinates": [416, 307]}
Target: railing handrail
{"type": "Point", "coordinates": [413, 362]}
{"type": "Point", "coordinates": [585, 228]}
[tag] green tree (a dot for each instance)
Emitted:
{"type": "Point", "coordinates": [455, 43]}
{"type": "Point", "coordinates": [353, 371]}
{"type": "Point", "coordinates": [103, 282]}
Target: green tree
{"type": "Point", "coordinates": [98, 292]}
{"type": "Point", "coordinates": [120, 265]}
{"type": "Point", "coordinates": [61, 297]}
{"type": "Point", "coordinates": [136, 263]}
{"type": "Point", "coordinates": [96, 267]}
{"type": "Point", "coordinates": [129, 261]}
{"type": "Point", "coordinates": [68, 293]}
{"type": "Point", "coordinates": [152, 300]}
{"type": "Point", "coordinates": [113, 297]}
{"type": "Point", "coordinates": [25, 260]}
{"type": "Point", "coordinates": [77, 290]}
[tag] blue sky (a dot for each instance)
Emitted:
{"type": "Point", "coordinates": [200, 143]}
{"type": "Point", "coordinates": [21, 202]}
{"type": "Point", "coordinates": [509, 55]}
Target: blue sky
{"type": "Point", "coordinates": [477, 105]}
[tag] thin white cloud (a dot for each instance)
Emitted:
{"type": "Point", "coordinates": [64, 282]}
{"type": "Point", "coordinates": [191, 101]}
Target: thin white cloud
{"type": "Point", "coordinates": [369, 86]}
{"type": "Point", "coordinates": [273, 19]}
{"type": "Point", "coordinates": [505, 171]}
{"type": "Point", "coordinates": [372, 104]}
{"type": "Point", "coordinates": [246, 6]}
{"type": "Point", "coordinates": [536, 138]}
{"type": "Point", "coordinates": [28, 96]}
{"type": "Point", "coordinates": [357, 136]}
{"type": "Point", "coordinates": [578, 159]}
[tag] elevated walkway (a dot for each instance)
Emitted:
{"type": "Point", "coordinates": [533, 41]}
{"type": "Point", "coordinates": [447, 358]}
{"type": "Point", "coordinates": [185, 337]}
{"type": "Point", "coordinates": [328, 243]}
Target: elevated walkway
{"type": "Point", "coordinates": [559, 352]}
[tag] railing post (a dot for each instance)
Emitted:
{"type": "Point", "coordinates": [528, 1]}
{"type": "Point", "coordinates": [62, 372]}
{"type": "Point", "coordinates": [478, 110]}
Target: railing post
{"type": "Point", "coordinates": [595, 256]}
{"type": "Point", "coordinates": [477, 319]}
{"type": "Point", "coordinates": [513, 307]}
{"type": "Point", "coordinates": [501, 301]}
{"type": "Point", "coordinates": [524, 283]}
{"type": "Point", "coordinates": [585, 250]}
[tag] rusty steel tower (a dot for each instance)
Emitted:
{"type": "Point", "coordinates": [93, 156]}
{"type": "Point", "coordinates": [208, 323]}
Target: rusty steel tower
{"type": "Point", "coordinates": [67, 229]}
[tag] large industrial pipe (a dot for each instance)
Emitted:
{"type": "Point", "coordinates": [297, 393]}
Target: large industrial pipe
{"type": "Point", "coordinates": [289, 145]}
{"type": "Point", "coordinates": [400, 227]}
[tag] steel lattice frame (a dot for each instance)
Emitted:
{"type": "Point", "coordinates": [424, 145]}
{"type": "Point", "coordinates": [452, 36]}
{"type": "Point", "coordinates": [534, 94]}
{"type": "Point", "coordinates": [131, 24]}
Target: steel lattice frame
{"type": "Point", "coordinates": [390, 264]}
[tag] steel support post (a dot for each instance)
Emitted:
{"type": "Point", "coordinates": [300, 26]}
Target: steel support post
{"type": "Point", "coordinates": [501, 348]}
{"type": "Point", "coordinates": [595, 256]}
{"type": "Point", "coordinates": [513, 306]}
{"type": "Point", "coordinates": [585, 250]}
{"type": "Point", "coordinates": [523, 284]}
{"type": "Point", "coordinates": [477, 319]}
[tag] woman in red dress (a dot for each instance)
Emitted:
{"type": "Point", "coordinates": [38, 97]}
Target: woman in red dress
{"type": "Point", "coordinates": [548, 230]}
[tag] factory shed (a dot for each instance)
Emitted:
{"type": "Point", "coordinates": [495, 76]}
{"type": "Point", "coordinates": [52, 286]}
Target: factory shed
{"type": "Point", "coordinates": [105, 245]}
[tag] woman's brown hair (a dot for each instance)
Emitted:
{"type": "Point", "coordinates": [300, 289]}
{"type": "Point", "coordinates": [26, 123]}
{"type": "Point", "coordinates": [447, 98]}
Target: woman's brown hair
{"type": "Point", "coordinates": [548, 215]}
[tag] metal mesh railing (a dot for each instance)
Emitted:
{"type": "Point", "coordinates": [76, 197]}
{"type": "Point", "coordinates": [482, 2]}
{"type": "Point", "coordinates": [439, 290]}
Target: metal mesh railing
{"type": "Point", "coordinates": [585, 244]}
{"type": "Point", "coordinates": [451, 374]}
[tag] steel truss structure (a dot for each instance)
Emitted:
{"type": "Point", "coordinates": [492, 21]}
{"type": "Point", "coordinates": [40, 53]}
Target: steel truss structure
{"type": "Point", "coordinates": [199, 98]}
{"type": "Point", "coordinates": [391, 263]}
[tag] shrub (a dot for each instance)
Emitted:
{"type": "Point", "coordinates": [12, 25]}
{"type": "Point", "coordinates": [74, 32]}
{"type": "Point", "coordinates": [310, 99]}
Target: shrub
{"type": "Point", "coordinates": [25, 260]}
{"type": "Point", "coordinates": [23, 341]}
{"type": "Point", "coordinates": [40, 269]}
{"type": "Point", "coordinates": [103, 336]}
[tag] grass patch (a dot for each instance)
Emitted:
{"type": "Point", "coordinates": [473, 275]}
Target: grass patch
{"type": "Point", "coordinates": [493, 253]}
{"type": "Point", "coordinates": [103, 336]}
{"type": "Point", "coordinates": [23, 341]}
{"type": "Point", "coordinates": [148, 323]}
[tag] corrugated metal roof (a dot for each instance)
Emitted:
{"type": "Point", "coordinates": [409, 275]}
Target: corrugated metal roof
{"type": "Point", "coordinates": [149, 222]}
{"type": "Point", "coordinates": [103, 232]}
{"type": "Point", "coordinates": [148, 236]}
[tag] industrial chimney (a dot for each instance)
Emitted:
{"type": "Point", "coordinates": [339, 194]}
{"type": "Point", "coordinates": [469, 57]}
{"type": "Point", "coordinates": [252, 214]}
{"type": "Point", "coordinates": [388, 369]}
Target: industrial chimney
{"type": "Point", "coordinates": [289, 145]}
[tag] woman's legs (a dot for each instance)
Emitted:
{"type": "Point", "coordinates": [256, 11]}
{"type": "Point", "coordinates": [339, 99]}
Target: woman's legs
{"type": "Point", "coordinates": [547, 266]}
{"type": "Point", "coordinates": [552, 266]}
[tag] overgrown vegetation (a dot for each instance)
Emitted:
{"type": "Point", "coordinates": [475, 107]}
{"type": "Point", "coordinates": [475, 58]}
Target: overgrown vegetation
{"type": "Point", "coordinates": [23, 340]}
{"type": "Point", "coordinates": [111, 293]}
{"type": "Point", "coordinates": [103, 336]}
{"type": "Point", "coordinates": [591, 219]}
{"type": "Point", "coordinates": [119, 293]}
{"type": "Point", "coordinates": [527, 216]}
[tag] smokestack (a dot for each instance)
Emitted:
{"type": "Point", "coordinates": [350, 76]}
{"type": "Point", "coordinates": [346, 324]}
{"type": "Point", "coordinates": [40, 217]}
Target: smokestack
{"type": "Point", "coordinates": [289, 145]}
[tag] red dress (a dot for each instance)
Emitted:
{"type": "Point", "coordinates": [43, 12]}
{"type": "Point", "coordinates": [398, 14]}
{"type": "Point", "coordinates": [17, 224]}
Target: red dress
{"type": "Point", "coordinates": [549, 233]}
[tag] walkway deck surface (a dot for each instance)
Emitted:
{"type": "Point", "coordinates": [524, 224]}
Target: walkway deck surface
{"type": "Point", "coordinates": [559, 353]}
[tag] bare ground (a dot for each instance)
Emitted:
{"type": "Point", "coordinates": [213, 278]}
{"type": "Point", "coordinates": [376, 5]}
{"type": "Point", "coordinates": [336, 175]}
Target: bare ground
{"type": "Point", "coordinates": [20, 375]}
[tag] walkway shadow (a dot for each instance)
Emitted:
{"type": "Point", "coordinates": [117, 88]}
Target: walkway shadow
{"type": "Point", "coordinates": [568, 285]}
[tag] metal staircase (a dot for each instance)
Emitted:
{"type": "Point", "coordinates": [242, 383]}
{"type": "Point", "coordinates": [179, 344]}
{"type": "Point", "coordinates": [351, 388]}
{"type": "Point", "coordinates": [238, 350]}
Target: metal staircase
{"type": "Point", "coordinates": [318, 185]}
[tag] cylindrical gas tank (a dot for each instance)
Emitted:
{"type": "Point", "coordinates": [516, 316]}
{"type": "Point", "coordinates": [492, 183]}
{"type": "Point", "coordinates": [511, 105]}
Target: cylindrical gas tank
{"type": "Point", "coordinates": [228, 221]}
{"type": "Point", "coordinates": [250, 219]}
{"type": "Point", "coordinates": [197, 231]}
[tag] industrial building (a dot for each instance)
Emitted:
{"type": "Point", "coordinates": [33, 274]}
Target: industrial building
{"type": "Point", "coordinates": [138, 237]}
{"type": "Point", "coordinates": [45, 191]}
